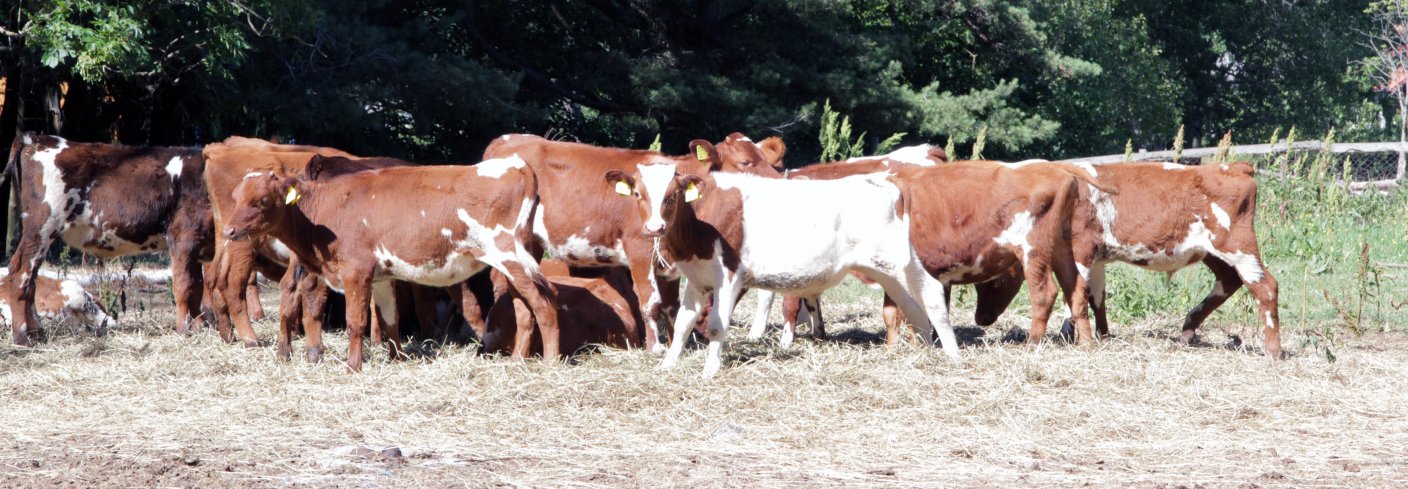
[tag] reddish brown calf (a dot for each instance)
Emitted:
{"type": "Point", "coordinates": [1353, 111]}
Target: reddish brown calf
{"type": "Point", "coordinates": [434, 225]}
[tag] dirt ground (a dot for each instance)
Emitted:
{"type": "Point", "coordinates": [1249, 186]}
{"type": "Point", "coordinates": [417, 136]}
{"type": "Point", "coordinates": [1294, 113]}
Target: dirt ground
{"type": "Point", "coordinates": [144, 407]}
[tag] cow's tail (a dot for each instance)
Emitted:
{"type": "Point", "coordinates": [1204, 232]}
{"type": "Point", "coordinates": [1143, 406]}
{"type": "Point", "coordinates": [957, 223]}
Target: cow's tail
{"type": "Point", "coordinates": [524, 230]}
{"type": "Point", "coordinates": [12, 164]}
{"type": "Point", "coordinates": [1085, 176]}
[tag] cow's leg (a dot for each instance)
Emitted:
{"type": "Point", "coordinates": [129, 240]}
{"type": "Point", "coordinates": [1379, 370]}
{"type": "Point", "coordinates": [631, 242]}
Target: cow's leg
{"type": "Point", "coordinates": [912, 291]}
{"type": "Point", "coordinates": [1097, 299]}
{"type": "Point", "coordinates": [791, 310]}
{"type": "Point", "coordinates": [1073, 281]}
{"type": "Point", "coordinates": [187, 282]}
{"type": "Point", "coordinates": [314, 294]}
{"type": "Point", "coordinates": [290, 311]}
{"type": "Point", "coordinates": [724, 298]}
{"type": "Point", "coordinates": [430, 326]}
{"type": "Point", "coordinates": [239, 260]}
{"type": "Point", "coordinates": [643, 279]}
{"type": "Point", "coordinates": [357, 287]}
{"type": "Point", "coordinates": [1225, 283]}
{"type": "Point", "coordinates": [219, 307]}
{"type": "Point", "coordinates": [251, 291]}
{"type": "Point", "coordinates": [525, 329]}
{"type": "Point", "coordinates": [760, 316]}
{"type": "Point", "coordinates": [384, 293]}
{"type": "Point", "coordinates": [25, 264]}
{"type": "Point", "coordinates": [1265, 292]}
{"type": "Point", "coordinates": [530, 284]}
{"type": "Point", "coordinates": [814, 317]}
{"type": "Point", "coordinates": [891, 314]}
{"type": "Point", "coordinates": [691, 304]}
{"type": "Point", "coordinates": [1042, 290]}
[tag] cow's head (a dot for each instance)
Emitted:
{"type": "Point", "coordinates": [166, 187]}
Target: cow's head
{"type": "Point", "coordinates": [995, 295]}
{"type": "Point", "coordinates": [742, 155]}
{"type": "Point", "coordinates": [85, 308]}
{"type": "Point", "coordinates": [261, 201]}
{"type": "Point", "coordinates": [660, 191]}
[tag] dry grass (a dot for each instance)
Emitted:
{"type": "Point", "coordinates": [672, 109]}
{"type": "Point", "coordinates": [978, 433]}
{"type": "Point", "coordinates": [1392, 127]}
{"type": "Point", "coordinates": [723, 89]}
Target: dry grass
{"type": "Point", "coordinates": [145, 407]}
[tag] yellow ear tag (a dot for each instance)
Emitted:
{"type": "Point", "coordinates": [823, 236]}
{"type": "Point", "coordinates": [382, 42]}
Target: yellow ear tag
{"type": "Point", "coordinates": [691, 193]}
{"type": "Point", "coordinates": [623, 188]}
{"type": "Point", "coordinates": [292, 196]}
{"type": "Point", "coordinates": [701, 153]}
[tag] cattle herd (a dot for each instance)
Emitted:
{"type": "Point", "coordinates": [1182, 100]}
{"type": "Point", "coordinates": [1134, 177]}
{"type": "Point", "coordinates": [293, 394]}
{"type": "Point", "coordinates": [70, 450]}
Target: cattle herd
{"type": "Point", "coordinates": [581, 244]}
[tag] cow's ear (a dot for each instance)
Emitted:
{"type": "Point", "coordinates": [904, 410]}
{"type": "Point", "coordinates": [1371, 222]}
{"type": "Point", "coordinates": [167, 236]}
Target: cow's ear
{"type": "Point", "coordinates": [621, 183]}
{"type": "Point", "coordinates": [315, 167]}
{"type": "Point", "coordinates": [693, 187]}
{"type": "Point", "coordinates": [292, 194]}
{"type": "Point", "coordinates": [773, 148]}
{"type": "Point", "coordinates": [706, 153]}
{"type": "Point", "coordinates": [937, 154]}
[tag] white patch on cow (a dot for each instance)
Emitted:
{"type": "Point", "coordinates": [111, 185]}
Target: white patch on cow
{"type": "Point", "coordinates": [384, 295]}
{"type": "Point", "coordinates": [1017, 232]}
{"type": "Point", "coordinates": [446, 232]}
{"type": "Point", "coordinates": [497, 167]}
{"type": "Point", "coordinates": [174, 167]}
{"type": "Point", "coordinates": [744, 139]}
{"type": "Point", "coordinates": [1248, 267]}
{"type": "Point", "coordinates": [74, 295]}
{"type": "Point", "coordinates": [1224, 167]}
{"type": "Point", "coordinates": [656, 179]}
{"type": "Point", "coordinates": [28, 139]}
{"type": "Point", "coordinates": [1222, 218]}
{"type": "Point", "coordinates": [505, 137]}
{"type": "Point", "coordinates": [56, 195]}
{"type": "Point", "coordinates": [280, 250]}
{"type": "Point", "coordinates": [1269, 323]}
{"type": "Point", "coordinates": [1083, 271]}
{"type": "Point", "coordinates": [1175, 166]}
{"type": "Point", "coordinates": [1023, 163]}
{"type": "Point", "coordinates": [914, 155]}
{"type": "Point", "coordinates": [253, 174]}
{"type": "Point", "coordinates": [422, 213]}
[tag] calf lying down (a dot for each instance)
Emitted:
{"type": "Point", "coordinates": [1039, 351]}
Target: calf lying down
{"type": "Point", "coordinates": [600, 310]}
{"type": "Point", "coordinates": [59, 300]}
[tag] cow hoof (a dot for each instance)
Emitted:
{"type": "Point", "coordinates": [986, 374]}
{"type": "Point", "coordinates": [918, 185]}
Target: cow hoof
{"type": "Point", "coordinates": [1068, 330]}
{"type": "Point", "coordinates": [284, 353]}
{"type": "Point", "coordinates": [315, 355]}
{"type": "Point", "coordinates": [251, 343]}
{"type": "Point", "coordinates": [1188, 337]}
{"type": "Point", "coordinates": [658, 349]}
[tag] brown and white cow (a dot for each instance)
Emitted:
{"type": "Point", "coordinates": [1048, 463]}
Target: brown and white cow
{"type": "Point", "coordinates": [108, 200]}
{"type": "Point", "coordinates": [434, 225]}
{"type": "Point", "coordinates": [728, 231]}
{"type": "Point", "coordinates": [973, 222]}
{"type": "Point", "coordinates": [58, 299]}
{"type": "Point", "coordinates": [1168, 216]}
{"type": "Point", "coordinates": [588, 226]}
{"type": "Point", "coordinates": [234, 263]}
{"type": "Point", "coordinates": [599, 310]}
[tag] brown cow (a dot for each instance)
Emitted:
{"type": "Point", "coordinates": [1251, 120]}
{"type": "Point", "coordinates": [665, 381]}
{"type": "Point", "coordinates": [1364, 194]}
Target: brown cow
{"type": "Point", "coordinates": [435, 225]}
{"type": "Point", "coordinates": [235, 262]}
{"type": "Point", "coordinates": [108, 200]}
{"type": "Point", "coordinates": [972, 222]}
{"type": "Point", "coordinates": [596, 310]}
{"type": "Point", "coordinates": [588, 226]}
{"type": "Point", "coordinates": [1169, 216]}
{"type": "Point", "coordinates": [59, 300]}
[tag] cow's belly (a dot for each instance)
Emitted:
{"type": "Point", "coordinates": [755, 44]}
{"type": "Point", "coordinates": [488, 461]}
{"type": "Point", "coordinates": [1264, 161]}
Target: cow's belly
{"type": "Point", "coordinates": [579, 251]}
{"type": "Point", "coordinates": [444, 272]}
{"type": "Point", "coordinates": [1161, 260]}
{"type": "Point", "coordinates": [103, 241]}
{"type": "Point", "coordinates": [799, 273]}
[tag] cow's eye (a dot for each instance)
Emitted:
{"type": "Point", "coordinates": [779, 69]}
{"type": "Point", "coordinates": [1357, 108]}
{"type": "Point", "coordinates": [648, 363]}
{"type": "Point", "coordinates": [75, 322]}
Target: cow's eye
{"type": "Point", "coordinates": [265, 201]}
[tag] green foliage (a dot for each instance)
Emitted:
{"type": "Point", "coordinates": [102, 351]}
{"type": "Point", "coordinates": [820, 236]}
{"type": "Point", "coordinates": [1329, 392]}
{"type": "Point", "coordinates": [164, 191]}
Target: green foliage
{"type": "Point", "coordinates": [835, 136]}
